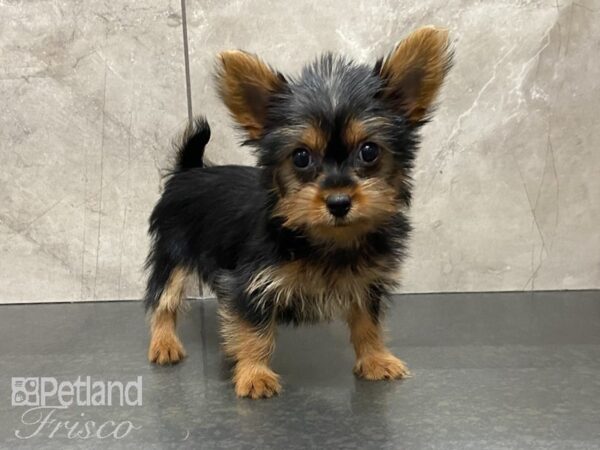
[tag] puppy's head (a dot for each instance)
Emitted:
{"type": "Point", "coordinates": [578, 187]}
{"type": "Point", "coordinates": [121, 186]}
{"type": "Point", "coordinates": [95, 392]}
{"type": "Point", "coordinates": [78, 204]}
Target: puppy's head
{"type": "Point", "coordinates": [337, 142]}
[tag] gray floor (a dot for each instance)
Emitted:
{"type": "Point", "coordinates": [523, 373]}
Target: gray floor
{"type": "Point", "coordinates": [516, 370]}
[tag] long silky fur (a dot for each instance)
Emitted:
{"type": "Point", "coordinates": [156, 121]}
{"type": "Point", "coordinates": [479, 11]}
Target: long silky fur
{"type": "Point", "coordinates": [223, 222]}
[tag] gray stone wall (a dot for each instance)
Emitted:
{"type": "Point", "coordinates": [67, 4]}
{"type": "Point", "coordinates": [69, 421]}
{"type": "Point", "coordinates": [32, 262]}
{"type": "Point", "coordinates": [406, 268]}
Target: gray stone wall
{"type": "Point", "coordinates": [507, 182]}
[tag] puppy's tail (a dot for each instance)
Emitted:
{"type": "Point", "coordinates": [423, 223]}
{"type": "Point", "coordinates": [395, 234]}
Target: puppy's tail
{"type": "Point", "coordinates": [190, 153]}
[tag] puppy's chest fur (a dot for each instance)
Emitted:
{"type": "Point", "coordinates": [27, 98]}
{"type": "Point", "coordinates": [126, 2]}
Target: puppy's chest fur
{"type": "Point", "coordinates": [306, 290]}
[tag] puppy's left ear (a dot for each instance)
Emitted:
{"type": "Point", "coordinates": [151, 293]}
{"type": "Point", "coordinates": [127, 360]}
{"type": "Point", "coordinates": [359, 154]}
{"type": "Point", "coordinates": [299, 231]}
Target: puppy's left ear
{"type": "Point", "coordinates": [414, 72]}
{"type": "Point", "coordinates": [246, 85]}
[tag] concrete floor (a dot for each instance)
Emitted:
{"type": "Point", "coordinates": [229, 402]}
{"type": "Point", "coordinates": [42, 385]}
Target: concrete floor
{"type": "Point", "coordinates": [513, 370]}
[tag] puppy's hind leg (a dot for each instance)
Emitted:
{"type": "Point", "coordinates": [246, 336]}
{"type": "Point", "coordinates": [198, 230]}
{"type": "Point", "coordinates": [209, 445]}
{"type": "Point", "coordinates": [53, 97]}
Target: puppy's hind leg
{"type": "Point", "coordinates": [165, 347]}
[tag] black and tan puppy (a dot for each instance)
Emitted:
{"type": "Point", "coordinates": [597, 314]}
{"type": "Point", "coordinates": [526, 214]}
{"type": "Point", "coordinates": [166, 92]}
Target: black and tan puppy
{"type": "Point", "coordinates": [318, 229]}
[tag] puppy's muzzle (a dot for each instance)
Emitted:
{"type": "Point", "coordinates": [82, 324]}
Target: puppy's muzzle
{"type": "Point", "coordinates": [338, 204]}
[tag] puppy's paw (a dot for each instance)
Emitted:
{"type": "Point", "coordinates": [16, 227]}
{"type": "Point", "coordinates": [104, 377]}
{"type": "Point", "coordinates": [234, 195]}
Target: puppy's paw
{"type": "Point", "coordinates": [380, 366]}
{"type": "Point", "coordinates": [255, 381]}
{"type": "Point", "coordinates": [166, 350]}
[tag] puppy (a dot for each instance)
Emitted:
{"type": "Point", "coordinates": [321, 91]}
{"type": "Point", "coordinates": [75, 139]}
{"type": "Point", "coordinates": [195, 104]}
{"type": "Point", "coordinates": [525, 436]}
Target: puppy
{"type": "Point", "coordinates": [318, 230]}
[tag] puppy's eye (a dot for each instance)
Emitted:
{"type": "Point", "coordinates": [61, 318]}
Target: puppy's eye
{"type": "Point", "coordinates": [368, 153]}
{"type": "Point", "coordinates": [301, 158]}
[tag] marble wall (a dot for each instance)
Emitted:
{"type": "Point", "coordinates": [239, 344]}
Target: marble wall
{"type": "Point", "coordinates": [508, 179]}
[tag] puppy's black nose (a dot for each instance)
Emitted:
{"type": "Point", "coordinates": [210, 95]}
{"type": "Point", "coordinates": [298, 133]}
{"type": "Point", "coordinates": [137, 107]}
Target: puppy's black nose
{"type": "Point", "coordinates": [338, 204]}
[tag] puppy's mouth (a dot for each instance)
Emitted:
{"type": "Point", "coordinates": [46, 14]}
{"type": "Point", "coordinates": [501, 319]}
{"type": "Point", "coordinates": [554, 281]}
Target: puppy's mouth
{"type": "Point", "coordinates": [341, 222]}
{"type": "Point", "coordinates": [348, 221]}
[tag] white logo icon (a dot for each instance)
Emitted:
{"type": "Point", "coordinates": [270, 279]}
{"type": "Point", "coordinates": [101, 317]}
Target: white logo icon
{"type": "Point", "coordinates": [25, 391]}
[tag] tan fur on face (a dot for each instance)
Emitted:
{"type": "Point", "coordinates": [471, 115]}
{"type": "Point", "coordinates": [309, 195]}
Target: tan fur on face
{"type": "Point", "coordinates": [415, 70]}
{"type": "Point", "coordinates": [314, 138]}
{"type": "Point", "coordinates": [245, 84]}
{"type": "Point", "coordinates": [359, 131]}
{"type": "Point", "coordinates": [355, 133]}
{"type": "Point", "coordinates": [303, 207]}
{"type": "Point", "coordinates": [373, 360]}
{"type": "Point", "coordinates": [251, 349]}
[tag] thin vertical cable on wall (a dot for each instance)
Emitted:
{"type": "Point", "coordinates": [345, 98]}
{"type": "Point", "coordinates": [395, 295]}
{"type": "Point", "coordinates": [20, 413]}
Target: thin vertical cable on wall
{"type": "Point", "coordinates": [186, 57]}
{"type": "Point", "coordinates": [188, 88]}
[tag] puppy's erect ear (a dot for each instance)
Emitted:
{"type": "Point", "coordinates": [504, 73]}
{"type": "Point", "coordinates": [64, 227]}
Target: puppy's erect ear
{"type": "Point", "coordinates": [414, 72]}
{"type": "Point", "coordinates": [246, 85]}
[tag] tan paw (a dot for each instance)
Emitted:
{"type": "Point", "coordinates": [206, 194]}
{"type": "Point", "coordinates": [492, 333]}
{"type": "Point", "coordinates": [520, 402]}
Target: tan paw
{"type": "Point", "coordinates": [166, 350]}
{"type": "Point", "coordinates": [255, 381]}
{"type": "Point", "coordinates": [381, 366]}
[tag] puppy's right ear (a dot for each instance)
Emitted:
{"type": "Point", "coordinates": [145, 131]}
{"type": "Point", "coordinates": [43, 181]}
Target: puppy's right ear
{"type": "Point", "coordinates": [246, 86]}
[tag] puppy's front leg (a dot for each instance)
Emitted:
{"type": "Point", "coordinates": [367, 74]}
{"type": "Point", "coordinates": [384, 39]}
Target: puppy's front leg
{"type": "Point", "coordinates": [373, 360]}
{"type": "Point", "coordinates": [251, 348]}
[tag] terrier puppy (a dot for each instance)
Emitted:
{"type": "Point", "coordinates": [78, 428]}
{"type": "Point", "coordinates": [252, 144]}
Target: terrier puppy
{"type": "Point", "coordinates": [316, 231]}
